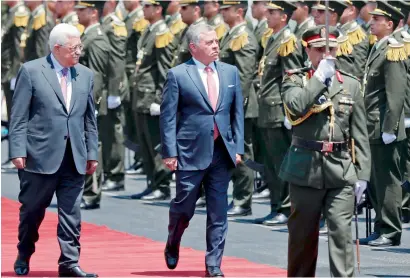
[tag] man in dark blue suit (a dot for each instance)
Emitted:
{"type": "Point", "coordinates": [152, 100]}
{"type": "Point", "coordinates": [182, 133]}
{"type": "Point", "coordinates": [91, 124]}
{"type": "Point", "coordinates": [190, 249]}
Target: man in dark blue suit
{"type": "Point", "coordinates": [202, 139]}
{"type": "Point", "coordinates": [53, 137]}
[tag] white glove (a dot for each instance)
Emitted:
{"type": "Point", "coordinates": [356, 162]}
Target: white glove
{"type": "Point", "coordinates": [326, 69]}
{"type": "Point", "coordinates": [359, 188]}
{"type": "Point", "coordinates": [155, 109]}
{"type": "Point", "coordinates": [113, 102]}
{"type": "Point", "coordinates": [287, 124]}
{"type": "Point", "coordinates": [407, 122]}
{"type": "Point", "coordinates": [388, 138]}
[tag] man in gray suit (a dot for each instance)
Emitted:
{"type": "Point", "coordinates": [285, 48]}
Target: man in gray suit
{"type": "Point", "coordinates": [53, 137]}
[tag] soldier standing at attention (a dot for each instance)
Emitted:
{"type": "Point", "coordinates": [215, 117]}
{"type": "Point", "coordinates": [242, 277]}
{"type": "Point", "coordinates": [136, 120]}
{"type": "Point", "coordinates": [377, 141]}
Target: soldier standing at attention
{"type": "Point", "coordinates": [65, 13]}
{"type": "Point", "coordinates": [155, 52]}
{"type": "Point", "coordinates": [364, 16]}
{"type": "Point", "coordinates": [384, 96]}
{"type": "Point", "coordinates": [135, 24]}
{"type": "Point", "coordinates": [37, 32]}
{"type": "Point", "coordinates": [95, 55]}
{"type": "Point", "coordinates": [112, 138]}
{"type": "Point", "coordinates": [12, 29]}
{"type": "Point", "coordinates": [214, 18]}
{"type": "Point", "coordinates": [259, 13]}
{"type": "Point", "coordinates": [174, 20]}
{"type": "Point", "coordinates": [302, 17]}
{"type": "Point", "coordinates": [282, 52]}
{"type": "Point", "coordinates": [326, 109]}
{"type": "Point", "coordinates": [239, 47]}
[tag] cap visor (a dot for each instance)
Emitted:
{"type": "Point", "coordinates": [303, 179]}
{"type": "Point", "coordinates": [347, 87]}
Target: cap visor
{"type": "Point", "coordinates": [80, 7]}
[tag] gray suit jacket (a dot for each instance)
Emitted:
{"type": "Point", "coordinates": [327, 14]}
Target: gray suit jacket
{"type": "Point", "coordinates": [40, 123]}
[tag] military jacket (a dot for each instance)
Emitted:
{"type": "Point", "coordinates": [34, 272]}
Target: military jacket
{"type": "Point", "coordinates": [135, 24]}
{"type": "Point", "coordinates": [260, 29]}
{"type": "Point", "coordinates": [240, 48]}
{"type": "Point", "coordinates": [182, 54]}
{"type": "Point", "coordinates": [221, 28]}
{"type": "Point", "coordinates": [353, 49]}
{"type": "Point", "coordinates": [72, 19]}
{"type": "Point", "coordinates": [155, 52]}
{"type": "Point", "coordinates": [319, 113]}
{"type": "Point", "coordinates": [35, 38]}
{"type": "Point", "coordinates": [301, 28]}
{"type": "Point", "coordinates": [283, 52]}
{"type": "Point", "coordinates": [95, 56]}
{"type": "Point", "coordinates": [12, 29]}
{"type": "Point", "coordinates": [384, 95]}
{"type": "Point", "coordinates": [176, 25]}
{"type": "Point", "coordinates": [116, 32]}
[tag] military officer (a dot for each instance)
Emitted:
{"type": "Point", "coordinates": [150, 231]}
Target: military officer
{"type": "Point", "coordinates": [135, 24]}
{"type": "Point", "coordinates": [95, 55]}
{"type": "Point", "coordinates": [282, 52]}
{"type": "Point", "coordinates": [239, 47]}
{"type": "Point", "coordinates": [384, 100]}
{"type": "Point", "coordinates": [302, 17]}
{"type": "Point", "coordinates": [65, 13]}
{"type": "Point", "coordinates": [35, 37]}
{"type": "Point", "coordinates": [112, 138]}
{"type": "Point", "coordinates": [13, 26]}
{"type": "Point", "coordinates": [191, 13]}
{"type": "Point", "coordinates": [155, 52]}
{"type": "Point", "coordinates": [328, 160]}
{"type": "Point", "coordinates": [174, 20]}
{"type": "Point", "coordinates": [214, 18]}
{"type": "Point", "coordinates": [259, 13]}
{"type": "Point", "coordinates": [364, 16]}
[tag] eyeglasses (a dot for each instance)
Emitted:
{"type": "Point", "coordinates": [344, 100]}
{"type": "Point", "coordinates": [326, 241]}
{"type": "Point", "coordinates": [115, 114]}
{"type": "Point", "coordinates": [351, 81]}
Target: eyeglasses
{"type": "Point", "coordinates": [74, 48]}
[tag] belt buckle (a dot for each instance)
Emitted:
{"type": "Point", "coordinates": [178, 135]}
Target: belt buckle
{"type": "Point", "coordinates": [327, 147]}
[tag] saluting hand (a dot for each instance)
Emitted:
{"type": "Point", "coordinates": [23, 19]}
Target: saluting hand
{"type": "Point", "coordinates": [91, 166]}
{"type": "Point", "coordinates": [171, 163]}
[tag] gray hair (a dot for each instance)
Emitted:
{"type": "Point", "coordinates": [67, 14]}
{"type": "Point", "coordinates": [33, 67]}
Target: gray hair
{"type": "Point", "coordinates": [195, 30]}
{"type": "Point", "coordinates": [61, 33]}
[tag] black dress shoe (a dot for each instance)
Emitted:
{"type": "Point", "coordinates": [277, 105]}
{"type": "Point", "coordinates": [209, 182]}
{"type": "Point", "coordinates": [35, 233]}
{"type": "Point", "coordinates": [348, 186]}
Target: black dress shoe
{"type": "Point", "coordinates": [138, 196]}
{"type": "Point", "coordinates": [113, 186]}
{"type": "Point", "coordinates": [279, 219]}
{"type": "Point", "coordinates": [21, 266]}
{"type": "Point", "coordinates": [201, 203]}
{"type": "Point", "coordinates": [74, 272]}
{"type": "Point", "coordinates": [383, 242]}
{"type": "Point", "coordinates": [86, 206]}
{"type": "Point", "coordinates": [171, 255]}
{"type": "Point", "coordinates": [239, 211]}
{"type": "Point", "coordinates": [157, 195]}
{"type": "Point", "coordinates": [261, 195]}
{"type": "Point", "coordinates": [270, 216]}
{"type": "Point", "coordinates": [214, 271]}
{"type": "Point", "coordinates": [365, 241]}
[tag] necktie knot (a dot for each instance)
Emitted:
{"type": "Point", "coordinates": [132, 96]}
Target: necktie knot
{"type": "Point", "coordinates": [208, 69]}
{"type": "Point", "coordinates": [64, 71]}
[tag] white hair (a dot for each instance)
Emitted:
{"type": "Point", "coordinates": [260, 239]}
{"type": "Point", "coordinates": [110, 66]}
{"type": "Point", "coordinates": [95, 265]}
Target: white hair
{"type": "Point", "coordinates": [61, 33]}
{"type": "Point", "coordinates": [195, 30]}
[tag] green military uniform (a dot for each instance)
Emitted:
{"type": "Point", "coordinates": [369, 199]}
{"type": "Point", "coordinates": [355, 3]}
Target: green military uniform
{"type": "Point", "coordinates": [35, 38]}
{"type": "Point", "coordinates": [155, 52]}
{"type": "Point", "coordinates": [322, 174]}
{"type": "Point", "coordinates": [72, 18]}
{"type": "Point", "coordinates": [219, 25]}
{"type": "Point", "coordinates": [384, 100]}
{"type": "Point", "coordinates": [239, 47]}
{"type": "Point", "coordinates": [11, 56]}
{"type": "Point", "coordinates": [176, 25]}
{"type": "Point", "coordinates": [113, 137]}
{"type": "Point", "coordinates": [135, 24]}
{"type": "Point", "coordinates": [95, 56]}
{"type": "Point", "coordinates": [282, 52]}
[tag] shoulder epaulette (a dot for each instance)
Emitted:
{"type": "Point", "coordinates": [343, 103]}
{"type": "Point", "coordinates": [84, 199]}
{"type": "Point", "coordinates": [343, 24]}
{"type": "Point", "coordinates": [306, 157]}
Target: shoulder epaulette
{"type": "Point", "coordinates": [356, 34]}
{"type": "Point", "coordinates": [39, 20]}
{"type": "Point", "coordinates": [266, 36]}
{"type": "Point", "coordinates": [372, 39]}
{"type": "Point", "coordinates": [395, 51]}
{"type": "Point", "coordinates": [220, 30]}
{"type": "Point", "coordinates": [163, 37]}
{"type": "Point", "coordinates": [119, 28]}
{"type": "Point", "coordinates": [406, 41]}
{"type": "Point", "coordinates": [239, 40]}
{"type": "Point", "coordinates": [177, 26]}
{"type": "Point", "coordinates": [140, 24]}
{"type": "Point", "coordinates": [80, 28]}
{"type": "Point", "coordinates": [344, 47]}
{"type": "Point", "coordinates": [287, 44]}
{"type": "Point", "coordinates": [21, 17]}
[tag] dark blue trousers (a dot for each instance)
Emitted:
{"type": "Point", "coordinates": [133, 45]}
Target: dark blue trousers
{"type": "Point", "coordinates": [188, 184]}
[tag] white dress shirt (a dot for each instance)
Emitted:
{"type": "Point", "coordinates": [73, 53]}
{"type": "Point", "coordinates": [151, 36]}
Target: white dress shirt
{"type": "Point", "coordinates": [204, 75]}
{"type": "Point", "coordinates": [58, 68]}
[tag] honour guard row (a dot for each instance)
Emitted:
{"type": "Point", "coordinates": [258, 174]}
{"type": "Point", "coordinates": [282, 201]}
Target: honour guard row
{"type": "Point", "coordinates": [323, 130]}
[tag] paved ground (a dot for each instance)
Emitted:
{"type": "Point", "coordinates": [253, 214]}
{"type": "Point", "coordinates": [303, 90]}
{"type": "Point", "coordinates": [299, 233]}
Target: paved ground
{"type": "Point", "coordinates": [254, 242]}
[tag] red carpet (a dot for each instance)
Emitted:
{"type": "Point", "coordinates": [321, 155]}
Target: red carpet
{"type": "Point", "coordinates": [112, 253]}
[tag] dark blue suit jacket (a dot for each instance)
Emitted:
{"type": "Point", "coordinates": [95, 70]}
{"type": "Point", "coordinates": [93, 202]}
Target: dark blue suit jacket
{"type": "Point", "coordinates": [40, 121]}
{"type": "Point", "coordinates": [187, 118]}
